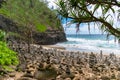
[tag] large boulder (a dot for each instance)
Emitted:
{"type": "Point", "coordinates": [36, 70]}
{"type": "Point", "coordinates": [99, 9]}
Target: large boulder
{"type": "Point", "coordinates": [50, 37]}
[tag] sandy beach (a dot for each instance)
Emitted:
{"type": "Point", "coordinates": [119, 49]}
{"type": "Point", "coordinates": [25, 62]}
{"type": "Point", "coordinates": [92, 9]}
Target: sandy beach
{"type": "Point", "coordinates": [58, 47]}
{"type": "Point", "coordinates": [53, 47]}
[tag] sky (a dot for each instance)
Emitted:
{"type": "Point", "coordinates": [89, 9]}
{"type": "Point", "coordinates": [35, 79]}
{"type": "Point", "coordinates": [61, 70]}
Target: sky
{"type": "Point", "coordinates": [83, 27]}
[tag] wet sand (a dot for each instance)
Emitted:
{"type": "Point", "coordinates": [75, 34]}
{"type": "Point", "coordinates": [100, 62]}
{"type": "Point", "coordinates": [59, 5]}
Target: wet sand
{"type": "Point", "coordinates": [53, 47]}
{"type": "Point", "coordinates": [80, 50]}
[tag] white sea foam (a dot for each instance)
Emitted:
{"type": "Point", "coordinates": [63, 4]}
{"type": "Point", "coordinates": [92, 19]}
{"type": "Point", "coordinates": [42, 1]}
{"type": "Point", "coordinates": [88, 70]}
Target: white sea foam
{"type": "Point", "coordinates": [91, 45]}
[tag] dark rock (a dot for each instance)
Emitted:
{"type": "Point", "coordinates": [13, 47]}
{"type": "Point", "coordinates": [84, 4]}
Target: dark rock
{"type": "Point", "coordinates": [105, 78]}
{"type": "Point", "coordinates": [113, 76]}
{"type": "Point", "coordinates": [68, 70]}
{"type": "Point", "coordinates": [12, 74]}
{"type": "Point", "coordinates": [92, 60]}
{"type": "Point", "coordinates": [48, 37]}
{"type": "Point", "coordinates": [71, 76]}
{"type": "Point", "coordinates": [21, 67]}
{"type": "Point", "coordinates": [45, 74]}
{"type": "Point", "coordinates": [26, 78]}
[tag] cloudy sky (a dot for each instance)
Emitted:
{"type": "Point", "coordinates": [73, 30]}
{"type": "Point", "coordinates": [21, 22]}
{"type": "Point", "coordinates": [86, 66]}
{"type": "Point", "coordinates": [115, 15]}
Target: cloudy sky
{"type": "Point", "coordinates": [83, 27]}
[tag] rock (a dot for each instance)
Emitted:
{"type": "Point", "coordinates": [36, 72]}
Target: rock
{"type": "Point", "coordinates": [64, 76]}
{"type": "Point", "coordinates": [67, 79]}
{"type": "Point", "coordinates": [91, 78]}
{"type": "Point", "coordinates": [76, 78]}
{"type": "Point", "coordinates": [26, 78]}
{"type": "Point", "coordinates": [45, 74]}
{"type": "Point", "coordinates": [21, 67]}
{"type": "Point", "coordinates": [68, 72]}
{"type": "Point", "coordinates": [2, 71]}
{"type": "Point", "coordinates": [12, 74]}
{"type": "Point", "coordinates": [9, 79]}
{"type": "Point", "coordinates": [113, 76]}
{"type": "Point", "coordinates": [49, 37]}
{"type": "Point", "coordinates": [28, 75]}
{"type": "Point", "coordinates": [1, 77]}
{"type": "Point", "coordinates": [105, 78]}
{"type": "Point", "coordinates": [92, 59]}
{"type": "Point", "coordinates": [47, 64]}
{"type": "Point", "coordinates": [59, 77]}
{"type": "Point", "coordinates": [118, 76]}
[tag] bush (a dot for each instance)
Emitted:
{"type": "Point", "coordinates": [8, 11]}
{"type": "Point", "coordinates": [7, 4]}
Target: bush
{"type": "Point", "coordinates": [2, 35]}
{"type": "Point", "coordinates": [7, 56]}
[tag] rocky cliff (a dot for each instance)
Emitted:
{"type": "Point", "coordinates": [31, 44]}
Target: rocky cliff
{"type": "Point", "coordinates": [50, 36]}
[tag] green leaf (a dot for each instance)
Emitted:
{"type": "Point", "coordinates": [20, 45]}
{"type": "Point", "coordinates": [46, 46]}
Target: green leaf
{"type": "Point", "coordinates": [7, 56]}
{"type": "Point", "coordinates": [40, 27]}
{"type": "Point", "coordinates": [95, 8]}
{"type": "Point", "coordinates": [112, 10]}
{"type": "Point", "coordinates": [103, 28]}
{"type": "Point", "coordinates": [2, 35]}
{"type": "Point", "coordinates": [89, 28]}
{"type": "Point", "coordinates": [105, 10]}
{"type": "Point", "coordinates": [83, 1]}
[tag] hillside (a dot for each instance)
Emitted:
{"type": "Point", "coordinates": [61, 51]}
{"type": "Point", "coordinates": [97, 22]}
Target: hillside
{"type": "Point", "coordinates": [24, 23]}
{"type": "Point", "coordinates": [31, 21]}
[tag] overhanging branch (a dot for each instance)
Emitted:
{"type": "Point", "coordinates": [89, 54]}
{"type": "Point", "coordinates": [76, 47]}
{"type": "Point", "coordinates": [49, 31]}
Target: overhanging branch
{"type": "Point", "coordinates": [112, 3]}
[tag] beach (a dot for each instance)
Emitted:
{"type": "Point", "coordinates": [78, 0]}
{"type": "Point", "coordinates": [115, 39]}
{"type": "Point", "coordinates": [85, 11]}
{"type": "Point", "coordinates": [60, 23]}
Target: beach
{"type": "Point", "coordinates": [61, 48]}
{"type": "Point", "coordinates": [59, 40]}
{"type": "Point", "coordinates": [46, 63]}
{"type": "Point", "coordinates": [91, 43]}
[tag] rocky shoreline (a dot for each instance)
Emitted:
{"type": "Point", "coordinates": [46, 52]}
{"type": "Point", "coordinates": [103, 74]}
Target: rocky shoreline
{"type": "Point", "coordinates": [54, 64]}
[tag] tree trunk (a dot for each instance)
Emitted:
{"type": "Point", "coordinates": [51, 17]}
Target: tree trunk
{"type": "Point", "coordinates": [31, 4]}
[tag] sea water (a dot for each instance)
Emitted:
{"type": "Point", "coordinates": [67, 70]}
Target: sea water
{"type": "Point", "coordinates": [91, 43]}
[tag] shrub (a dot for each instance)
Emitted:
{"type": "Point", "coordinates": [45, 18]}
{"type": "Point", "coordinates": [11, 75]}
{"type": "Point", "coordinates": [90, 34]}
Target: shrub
{"type": "Point", "coordinates": [7, 56]}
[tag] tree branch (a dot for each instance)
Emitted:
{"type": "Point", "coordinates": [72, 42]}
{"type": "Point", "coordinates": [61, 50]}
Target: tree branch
{"type": "Point", "coordinates": [108, 25]}
{"type": "Point", "coordinates": [113, 2]}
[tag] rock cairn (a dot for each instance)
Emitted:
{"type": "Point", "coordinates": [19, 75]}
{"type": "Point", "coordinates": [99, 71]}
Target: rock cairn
{"type": "Point", "coordinates": [53, 64]}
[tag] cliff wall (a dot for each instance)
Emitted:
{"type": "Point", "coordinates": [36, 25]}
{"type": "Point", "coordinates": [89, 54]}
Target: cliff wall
{"type": "Point", "coordinates": [50, 36]}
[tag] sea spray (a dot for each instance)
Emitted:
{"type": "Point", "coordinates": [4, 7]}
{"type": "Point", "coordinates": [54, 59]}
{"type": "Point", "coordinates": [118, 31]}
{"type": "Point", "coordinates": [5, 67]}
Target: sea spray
{"type": "Point", "coordinates": [93, 42]}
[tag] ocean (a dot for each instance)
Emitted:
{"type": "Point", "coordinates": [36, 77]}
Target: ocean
{"type": "Point", "coordinates": [91, 43]}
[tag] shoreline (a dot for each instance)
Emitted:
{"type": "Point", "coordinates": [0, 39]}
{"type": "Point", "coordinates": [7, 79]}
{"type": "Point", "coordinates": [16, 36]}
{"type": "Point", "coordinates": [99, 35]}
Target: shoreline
{"type": "Point", "coordinates": [65, 65]}
{"type": "Point", "coordinates": [53, 47]}
{"type": "Point", "coordinates": [58, 47]}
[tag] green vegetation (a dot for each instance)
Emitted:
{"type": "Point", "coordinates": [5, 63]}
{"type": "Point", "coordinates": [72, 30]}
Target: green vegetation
{"type": "Point", "coordinates": [7, 56]}
{"type": "Point", "coordinates": [100, 12]}
{"type": "Point", "coordinates": [33, 15]}
{"type": "Point", "coordinates": [2, 35]}
{"type": "Point", "coordinates": [30, 13]}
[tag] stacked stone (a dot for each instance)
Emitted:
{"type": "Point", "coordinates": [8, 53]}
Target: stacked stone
{"type": "Point", "coordinates": [49, 64]}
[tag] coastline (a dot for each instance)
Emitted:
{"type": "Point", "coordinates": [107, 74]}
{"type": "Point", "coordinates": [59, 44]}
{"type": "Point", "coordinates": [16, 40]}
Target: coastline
{"type": "Point", "coordinates": [58, 47]}
{"type": "Point", "coordinates": [53, 47]}
{"type": "Point", "coordinates": [62, 64]}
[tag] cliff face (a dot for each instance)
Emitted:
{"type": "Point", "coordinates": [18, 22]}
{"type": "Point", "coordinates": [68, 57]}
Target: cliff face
{"type": "Point", "coordinates": [48, 37]}
{"type": "Point", "coordinates": [51, 37]}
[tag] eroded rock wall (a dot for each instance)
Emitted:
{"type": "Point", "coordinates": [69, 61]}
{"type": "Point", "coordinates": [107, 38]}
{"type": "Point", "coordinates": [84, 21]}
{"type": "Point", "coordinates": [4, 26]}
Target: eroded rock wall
{"type": "Point", "coordinates": [48, 37]}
